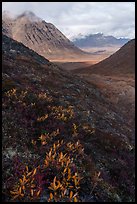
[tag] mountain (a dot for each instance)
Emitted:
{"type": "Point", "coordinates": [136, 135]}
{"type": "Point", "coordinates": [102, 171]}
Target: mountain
{"type": "Point", "coordinates": [115, 78]}
{"type": "Point", "coordinates": [7, 22]}
{"type": "Point", "coordinates": [18, 51]}
{"type": "Point", "coordinates": [98, 40]}
{"type": "Point", "coordinates": [42, 37]}
{"type": "Point", "coordinates": [60, 131]}
{"type": "Point", "coordinates": [121, 62]}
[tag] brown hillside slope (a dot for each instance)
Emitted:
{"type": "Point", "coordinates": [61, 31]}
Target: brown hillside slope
{"type": "Point", "coordinates": [120, 63]}
{"type": "Point", "coordinates": [115, 78]}
{"type": "Point", "coordinates": [59, 130]}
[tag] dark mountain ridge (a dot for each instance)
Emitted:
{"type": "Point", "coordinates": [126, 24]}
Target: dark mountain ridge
{"type": "Point", "coordinates": [121, 62]}
{"type": "Point", "coordinates": [13, 48]}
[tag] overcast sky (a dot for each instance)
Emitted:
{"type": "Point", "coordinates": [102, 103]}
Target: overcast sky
{"type": "Point", "coordinates": [73, 18]}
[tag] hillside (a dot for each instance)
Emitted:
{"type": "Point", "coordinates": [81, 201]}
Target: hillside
{"type": "Point", "coordinates": [115, 78]}
{"type": "Point", "coordinates": [17, 50]}
{"type": "Point", "coordinates": [44, 38]}
{"type": "Point", "coordinates": [121, 62]}
{"type": "Point", "coordinates": [62, 140]}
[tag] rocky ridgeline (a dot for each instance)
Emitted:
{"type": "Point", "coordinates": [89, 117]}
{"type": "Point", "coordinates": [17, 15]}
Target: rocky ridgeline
{"type": "Point", "coordinates": [13, 49]}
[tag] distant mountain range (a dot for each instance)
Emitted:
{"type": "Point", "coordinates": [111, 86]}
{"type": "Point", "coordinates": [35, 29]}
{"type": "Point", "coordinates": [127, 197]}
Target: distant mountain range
{"type": "Point", "coordinates": [42, 37]}
{"type": "Point", "coordinates": [98, 40]}
{"type": "Point", "coordinates": [45, 39]}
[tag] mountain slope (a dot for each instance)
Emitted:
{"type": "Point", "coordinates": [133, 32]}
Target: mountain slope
{"type": "Point", "coordinates": [121, 62]}
{"type": "Point", "coordinates": [115, 78]}
{"type": "Point", "coordinates": [7, 23]}
{"type": "Point", "coordinates": [57, 129]}
{"type": "Point", "coordinates": [42, 37]}
{"type": "Point", "coordinates": [18, 51]}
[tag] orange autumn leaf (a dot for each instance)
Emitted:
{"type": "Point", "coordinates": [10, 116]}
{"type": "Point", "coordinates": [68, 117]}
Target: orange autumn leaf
{"type": "Point", "coordinates": [71, 194]}
{"type": "Point", "coordinates": [51, 196]}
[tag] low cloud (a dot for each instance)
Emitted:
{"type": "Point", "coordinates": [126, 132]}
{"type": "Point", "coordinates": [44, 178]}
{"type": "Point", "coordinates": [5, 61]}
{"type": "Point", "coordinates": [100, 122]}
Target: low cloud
{"type": "Point", "coordinates": [72, 18]}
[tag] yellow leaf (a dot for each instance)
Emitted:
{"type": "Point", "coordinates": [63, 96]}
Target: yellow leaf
{"type": "Point", "coordinates": [29, 173]}
{"type": "Point", "coordinates": [20, 190]}
{"type": "Point", "coordinates": [31, 192]}
{"type": "Point", "coordinates": [33, 142]}
{"type": "Point", "coordinates": [20, 180]}
{"type": "Point", "coordinates": [42, 137]}
{"type": "Point", "coordinates": [76, 182]}
{"type": "Point", "coordinates": [34, 172]}
{"type": "Point", "coordinates": [75, 199]}
{"type": "Point", "coordinates": [24, 178]}
{"type": "Point", "coordinates": [51, 188]}
{"type": "Point", "coordinates": [27, 168]}
{"type": "Point", "coordinates": [54, 182]}
{"type": "Point", "coordinates": [50, 153]}
{"type": "Point", "coordinates": [61, 155]}
{"type": "Point", "coordinates": [59, 185]}
{"type": "Point", "coordinates": [51, 196]}
{"type": "Point", "coordinates": [69, 171]}
{"type": "Point", "coordinates": [46, 162]}
{"type": "Point", "coordinates": [32, 180]}
{"type": "Point", "coordinates": [69, 177]}
{"type": "Point", "coordinates": [14, 192]}
{"type": "Point", "coordinates": [65, 155]}
{"type": "Point", "coordinates": [71, 194]}
{"type": "Point", "coordinates": [65, 170]}
{"type": "Point", "coordinates": [38, 193]}
{"type": "Point", "coordinates": [67, 163]}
